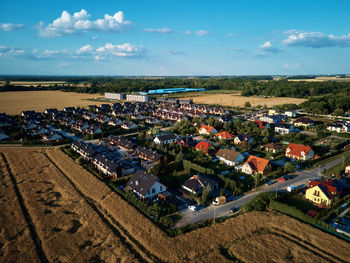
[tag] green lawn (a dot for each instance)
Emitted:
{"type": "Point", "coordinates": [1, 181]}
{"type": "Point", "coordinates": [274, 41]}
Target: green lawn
{"type": "Point", "coordinates": [335, 157]}
{"type": "Point", "coordinates": [300, 203]}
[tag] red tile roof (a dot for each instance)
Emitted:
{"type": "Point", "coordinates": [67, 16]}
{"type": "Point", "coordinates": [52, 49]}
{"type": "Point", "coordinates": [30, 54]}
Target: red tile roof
{"type": "Point", "coordinates": [297, 149]}
{"type": "Point", "coordinates": [257, 164]}
{"type": "Point", "coordinates": [329, 187]}
{"type": "Point", "coordinates": [224, 134]}
{"type": "Point", "coordinates": [207, 128]}
{"type": "Point", "coordinates": [204, 146]}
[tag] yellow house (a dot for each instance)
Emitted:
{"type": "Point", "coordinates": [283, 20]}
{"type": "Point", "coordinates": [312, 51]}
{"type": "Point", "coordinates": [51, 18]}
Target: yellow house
{"type": "Point", "coordinates": [322, 193]}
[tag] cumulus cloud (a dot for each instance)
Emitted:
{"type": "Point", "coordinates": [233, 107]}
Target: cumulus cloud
{"type": "Point", "coordinates": [122, 50]}
{"type": "Point", "coordinates": [202, 33]}
{"type": "Point", "coordinates": [268, 48]}
{"type": "Point", "coordinates": [80, 22]}
{"type": "Point", "coordinates": [163, 30]}
{"type": "Point", "coordinates": [85, 49]}
{"type": "Point", "coordinates": [10, 51]}
{"type": "Point", "coordinates": [315, 39]}
{"type": "Point", "coordinates": [175, 52]}
{"type": "Point", "coordinates": [10, 26]}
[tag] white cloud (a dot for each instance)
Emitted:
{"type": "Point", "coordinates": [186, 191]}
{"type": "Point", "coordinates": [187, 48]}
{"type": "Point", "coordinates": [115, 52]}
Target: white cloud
{"type": "Point", "coordinates": [268, 48]}
{"type": "Point", "coordinates": [163, 30]}
{"type": "Point", "coordinates": [94, 37]}
{"type": "Point", "coordinates": [10, 51]}
{"type": "Point", "coordinates": [175, 52]}
{"type": "Point", "coordinates": [85, 49]}
{"type": "Point", "coordinates": [187, 32]}
{"type": "Point", "coordinates": [202, 33]}
{"type": "Point", "coordinates": [10, 26]}
{"type": "Point", "coordinates": [315, 39]}
{"type": "Point", "coordinates": [80, 22]}
{"type": "Point", "coordinates": [123, 50]}
{"type": "Point", "coordinates": [292, 66]}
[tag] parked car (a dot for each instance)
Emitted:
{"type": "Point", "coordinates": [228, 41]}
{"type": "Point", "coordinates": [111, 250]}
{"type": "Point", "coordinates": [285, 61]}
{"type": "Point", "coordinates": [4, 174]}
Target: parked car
{"type": "Point", "coordinates": [281, 179]}
{"type": "Point", "coordinates": [234, 209]}
{"type": "Point", "coordinates": [270, 183]}
{"type": "Point", "coordinates": [219, 200]}
{"type": "Point", "coordinates": [192, 208]}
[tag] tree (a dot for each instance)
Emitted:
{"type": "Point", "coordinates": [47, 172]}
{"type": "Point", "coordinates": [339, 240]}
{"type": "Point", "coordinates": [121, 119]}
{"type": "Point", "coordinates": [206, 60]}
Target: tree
{"type": "Point", "coordinates": [247, 104]}
{"type": "Point", "coordinates": [257, 179]}
{"type": "Point", "coordinates": [205, 194]}
{"type": "Point", "coordinates": [338, 112]}
{"type": "Point", "coordinates": [179, 157]}
{"type": "Point", "coordinates": [155, 170]}
{"type": "Point", "coordinates": [289, 167]}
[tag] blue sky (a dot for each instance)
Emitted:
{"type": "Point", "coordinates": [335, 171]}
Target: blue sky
{"type": "Point", "coordinates": [152, 37]}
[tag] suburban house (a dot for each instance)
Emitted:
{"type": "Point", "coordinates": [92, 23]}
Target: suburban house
{"type": "Point", "coordinates": [120, 142]}
{"type": "Point", "coordinates": [256, 164]}
{"type": "Point", "coordinates": [79, 126]}
{"type": "Point", "coordinates": [93, 130]}
{"type": "Point", "coordinates": [230, 157]}
{"type": "Point", "coordinates": [299, 152]}
{"type": "Point", "coordinates": [145, 186]}
{"type": "Point", "coordinates": [107, 167]}
{"type": "Point", "coordinates": [224, 135]}
{"type": "Point", "coordinates": [148, 154]}
{"type": "Point", "coordinates": [165, 139]}
{"type": "Point", "coordinates": [304, 121]}
{"type": "Point", "coordinates": [272, 147]}
{"type": "Point", "coordinates": [115, 122]}
{"type": "Point", "coordinates": [262, 125]}
{"type": "Point", "coordinates": [323, 193]}
{"type": "Point", "coordinates": [339, 127]}
{"type": "Point", "coordinates": [290, 113]}
{"type": "Point", "coordinates": [204, 146]}
{"type": "Point", "coordinates": [52, 137]}
{"type": "Point", "coordinates": [284, 128]}
{"type": "Point", "coordinates": [83, 149]}
{"type": "Point", "coordinates": [272, 119]}
{"type": "Point", "coordinates": [197, 183]}
{"type": "Point", "coordinates": [243, 137]}
{"type": "Point", "coordinates": [129, 125]}
{"type": "Point", "coordinates": [204, 129]}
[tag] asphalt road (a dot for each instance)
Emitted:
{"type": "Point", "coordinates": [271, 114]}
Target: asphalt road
{"type": "Point", "coordinates": [213, 211]}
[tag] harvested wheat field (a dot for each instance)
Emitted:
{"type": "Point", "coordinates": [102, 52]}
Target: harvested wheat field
{"type": "Point", "coordinates": [237, 100]}
{"type": "Point", "coordinates": [15, 102]}
{"type": "Point", "coordinates": [85, 220]}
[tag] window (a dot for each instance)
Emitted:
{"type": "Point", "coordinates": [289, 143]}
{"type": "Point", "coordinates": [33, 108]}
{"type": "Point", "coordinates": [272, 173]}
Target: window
{"type": "Point", "coordinates": [153, 190]}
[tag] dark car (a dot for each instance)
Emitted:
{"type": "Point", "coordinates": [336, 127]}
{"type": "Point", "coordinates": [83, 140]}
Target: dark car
{"type": "Point", "coordinates": [234, 209]}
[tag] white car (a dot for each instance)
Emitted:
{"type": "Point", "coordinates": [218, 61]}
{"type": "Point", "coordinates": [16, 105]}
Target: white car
{"type": "Point", "coordinates": [192, 208]}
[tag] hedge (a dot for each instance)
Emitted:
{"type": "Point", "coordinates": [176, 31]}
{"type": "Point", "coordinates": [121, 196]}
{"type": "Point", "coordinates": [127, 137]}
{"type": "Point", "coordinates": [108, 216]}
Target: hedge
{"type": "Point", "coordinates": [189, 165]}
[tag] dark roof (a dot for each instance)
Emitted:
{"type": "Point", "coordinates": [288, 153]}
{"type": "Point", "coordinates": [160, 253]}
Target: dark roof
{"type": "Point", "coordinates": [283, 125]}
{"type": "Point", "coordinates": [152, 155]}
{"type": "Point", "coordinates": [166, 137]}
{"type": "Point", "coordinates": [198, 182]}
{"type": "Point", "coordinates": [228, 154]}
{"type": "Point", "coordinates": [85, 148]}
{"type": "Point", "coordinates": [141, 182]}
{"type": "Point", "coordinates": [108, 164]}
{"type": "Point", "coordinates": [243, 137]}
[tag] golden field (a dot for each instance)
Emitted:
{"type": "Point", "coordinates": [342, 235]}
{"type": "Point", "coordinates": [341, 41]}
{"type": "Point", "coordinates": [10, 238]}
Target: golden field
{"type": "Point", "coordinates": [236, 100]}
{"type": "Point", "coordinates": [15, 102]}
{"type": "Point", "coordinates": [78, 218]}
{"type": "Point", "coordinates": [321, 79]}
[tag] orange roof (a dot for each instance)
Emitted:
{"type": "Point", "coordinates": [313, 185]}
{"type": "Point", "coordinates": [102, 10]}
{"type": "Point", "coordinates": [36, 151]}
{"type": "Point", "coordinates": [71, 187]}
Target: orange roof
{"type": "Point", "coordinates": [257, 164]}
{"type": "Point", "coordinates": [329, 187]}
{"type": "Point", "coordinates": [224, 134]}
{"type": "Point", "coordinates": [207, 128]}
{"type": "Point", "coordinates": [204, 146]}
{"type": "Point", "coordinates": [297, 149]}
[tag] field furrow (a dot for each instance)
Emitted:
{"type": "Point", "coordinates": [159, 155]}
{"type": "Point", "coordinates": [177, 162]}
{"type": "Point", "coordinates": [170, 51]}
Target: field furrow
{"type": "Point", "coordinates": [66, 225]}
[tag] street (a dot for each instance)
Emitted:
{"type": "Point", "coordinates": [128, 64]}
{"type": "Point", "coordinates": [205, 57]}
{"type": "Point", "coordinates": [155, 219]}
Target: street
{"type": "Point", "coordinates": [190, 217]}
